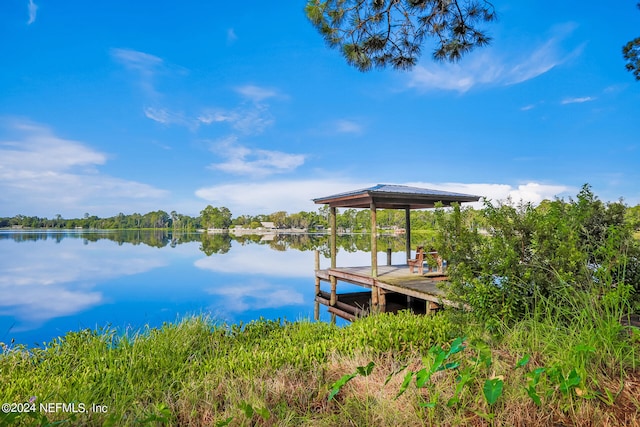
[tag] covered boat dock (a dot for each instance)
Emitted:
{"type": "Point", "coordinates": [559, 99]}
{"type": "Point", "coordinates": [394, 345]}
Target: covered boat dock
{"type": "Point", "coordinates": [392, 287]}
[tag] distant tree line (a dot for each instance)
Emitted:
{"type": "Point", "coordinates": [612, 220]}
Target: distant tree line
{"type": "Point", "coordinates": [347, 220]}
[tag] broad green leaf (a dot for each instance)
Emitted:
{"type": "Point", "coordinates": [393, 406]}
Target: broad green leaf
{"type": "Point", "coordinates": [492, 390]}
{"type": "Point", "coordinates": [437, 363]}
{"type": "Point", "coordinates": [429, 405]}
{"type": "Point", "coordinates": [452, 365]}
{"type": "Point", "coordinates": [335, 388]}
{"type": "Point", "coordinates": [522, 362]}
{"type": "Point", "coordinates": [264, 413]}
{"type": "Point", "coordinates": [405, 384]}
{"type": "Point", "coordinates": [224, 423]}
{"type": "Point", "coordinates": [247, 409]}
{"type": "Point", "coordinates": [531, 391]}
{"type": "Point", "coordinates": [535, 376]}
{"type": "Point", "coordinates": [454, 400]}
{"type": "Point", "coordinates": [456, 346]}
{"type": "Point", "coordinates": [365, 370]}
{"type": "Point", "coordinates": [484, 352]}
{"type": "Point", "coordinates": [422, 376]}
{"type": "Point", "coordinates": [572, 381]}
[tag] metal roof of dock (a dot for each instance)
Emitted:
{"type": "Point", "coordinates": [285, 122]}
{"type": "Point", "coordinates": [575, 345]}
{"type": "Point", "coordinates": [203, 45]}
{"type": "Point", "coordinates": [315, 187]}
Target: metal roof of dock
{"type": "Point", "coordinates": [387, 196]}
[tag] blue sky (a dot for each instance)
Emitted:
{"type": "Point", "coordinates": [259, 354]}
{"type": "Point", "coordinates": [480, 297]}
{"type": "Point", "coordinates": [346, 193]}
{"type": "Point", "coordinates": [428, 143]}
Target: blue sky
{"type": "Point", "coordinates": [125, 106]}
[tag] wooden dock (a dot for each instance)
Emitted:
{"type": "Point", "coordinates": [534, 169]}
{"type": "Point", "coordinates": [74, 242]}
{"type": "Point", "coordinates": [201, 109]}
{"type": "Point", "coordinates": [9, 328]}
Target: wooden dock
{"type": "Point", "coordinates": [389, 282]}
{"type": "Point", "coordinates": [394, 288]}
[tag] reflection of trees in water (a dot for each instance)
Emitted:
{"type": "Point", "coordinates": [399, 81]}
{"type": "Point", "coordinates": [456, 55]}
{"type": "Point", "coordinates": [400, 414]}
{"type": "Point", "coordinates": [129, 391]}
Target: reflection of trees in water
{"type": "Point", "coordinates": [220, 243]}
{"type": "Point", "coordinates": [154, 238]}
{"type": "Point", "coordinates": [215, 243]}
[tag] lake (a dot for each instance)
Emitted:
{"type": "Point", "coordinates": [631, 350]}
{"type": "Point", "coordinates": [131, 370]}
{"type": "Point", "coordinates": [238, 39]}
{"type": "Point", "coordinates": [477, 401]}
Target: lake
{"type": "Point", "coordinates": [52, 282]}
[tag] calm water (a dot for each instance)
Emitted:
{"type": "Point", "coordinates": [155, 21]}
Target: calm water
{"type": "Point", "coordinates": [55, 282]}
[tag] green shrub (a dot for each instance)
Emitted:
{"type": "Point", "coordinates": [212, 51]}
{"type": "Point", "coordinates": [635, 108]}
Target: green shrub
{"type": "Point", "coordinates": [525, 251]}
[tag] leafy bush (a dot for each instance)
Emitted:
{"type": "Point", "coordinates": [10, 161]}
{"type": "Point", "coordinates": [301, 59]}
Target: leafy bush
{"type": "Point", "coordinates": [503, 257]}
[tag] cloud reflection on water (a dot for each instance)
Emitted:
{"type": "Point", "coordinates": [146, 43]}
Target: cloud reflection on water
{"type": "Point", "coordinates": [254, 294]}
{"type": "Point", "coordinates": [262, 260]}
{"type": "Point", "coordinates": [54, 282]}
{"type": "Point", "coordinates": [44, 280]}
{"type": "Point", "coordinates": [266, 277]}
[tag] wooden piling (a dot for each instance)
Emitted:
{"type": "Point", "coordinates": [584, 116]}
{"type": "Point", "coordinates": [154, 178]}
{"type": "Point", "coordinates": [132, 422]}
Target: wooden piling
{"type": "Point", "coordinates": [382, 300]}
{"type": "Point", "coordinates": [334, 294]}
{"type": "Point", "coordinates": [334, 235]}
{"type": "Point", "coordinates": [375, 296]}
{"type": "Point", "coordinates": [317, 267]}
{"type": "Point", "coordinates": [374, 240]}
{"type": "Point", "coordinates": [407, 228]}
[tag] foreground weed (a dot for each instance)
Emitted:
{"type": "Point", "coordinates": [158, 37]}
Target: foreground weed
{"type": "Point", "coordinates": [541, 382]}
{"type": "Point", "coordinates": [249, 411]}
{"type": "Point", "coordinates": [364, 371]}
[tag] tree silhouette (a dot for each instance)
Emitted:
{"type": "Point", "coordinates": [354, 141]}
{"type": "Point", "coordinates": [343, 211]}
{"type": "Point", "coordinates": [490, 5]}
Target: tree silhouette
{"type": "Point", "coordinates": [391, 32]}
{"type": "Point", "coordinates": [631, 53]}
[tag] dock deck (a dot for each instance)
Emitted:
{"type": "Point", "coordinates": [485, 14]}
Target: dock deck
{"type": "Point", "coordinates": [394, 288]}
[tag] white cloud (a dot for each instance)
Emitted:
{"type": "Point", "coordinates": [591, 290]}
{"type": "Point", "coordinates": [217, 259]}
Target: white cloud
{"type": "Point", "coordinates": [577, 100]}
{"type": "Point", "coordinates": [528, 192]}
{"type": "Point", "coordinates": [43, 173]}
{"type": "Point", "coordinates": [256, 93]}
{"type": "Point", "coordinates": [248, 120]}
{"type": "Point", "coordinates": [33, 10]}
{"type": "Point", "coordinates": [487, 67]}
{"type": "Point", "coordinates": [348, 126]}
{"type": "Point", "coordinates": [159, 115]}
{"type": "Point", "coordinates": [241, 160]}
{"type": "Point", "coordinates": [251, 121]}
{"type": "Point", "coordinates": [538, 62]}
{"type": "Point", "coordinates": [251, 117]}
{"type": "Point", "coordinates": [231, 36]}
{"type": "Point", "coordinates": [136, 60]}
{"type": "Point", "coordinates": [166, 117]}
{"type": "Point", "coordinates": [214, 116]}
{"type": "Point", "coordinates": [145, 65]}
{"type": "Point", "coordinates": [257, 197]}
{"type": "Point", "coordinates": [296, 195]}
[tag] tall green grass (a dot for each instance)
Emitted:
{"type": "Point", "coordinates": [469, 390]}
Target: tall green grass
{"type": "Point", "coordinates": [196, 372]}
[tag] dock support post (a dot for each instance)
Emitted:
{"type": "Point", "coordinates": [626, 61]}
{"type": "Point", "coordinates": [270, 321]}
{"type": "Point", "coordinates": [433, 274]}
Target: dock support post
{"type": "Point", "coordinates": [374, 240]}
{"type": "Point", "coordinates": [316, 311]}
{"type": "Point", "coordinates": [334, 237]}
{"type": "Point", "coordinates": [388, 256]}
{"type": "Point", "coordinates": [334, 294]}
{"type": "Point", "coordinates": [375, 300]}
{"type": "Point", "coordinates": [382, 300]}
{"type": "Point", "coordinates": [407, 227]}
{"type": "Point", "coordinates": [317, 267]}
{"type": "Point", "coordinates": [334, 233]}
